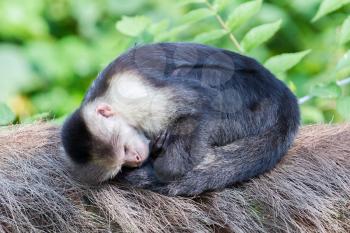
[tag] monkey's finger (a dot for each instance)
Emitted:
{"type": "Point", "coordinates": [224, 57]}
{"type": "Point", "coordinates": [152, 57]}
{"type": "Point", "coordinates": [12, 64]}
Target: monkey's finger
{"type": "Point", "coordinates": [166, 140]}
{"type": "Point", "coordinates": [159, 143]}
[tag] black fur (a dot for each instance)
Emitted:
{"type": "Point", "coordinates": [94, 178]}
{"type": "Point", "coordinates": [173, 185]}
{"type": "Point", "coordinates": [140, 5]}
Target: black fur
{"type": "Point", "coordinates": [237, 123]}
{"type": "Point", "coordinates": [78, 142]}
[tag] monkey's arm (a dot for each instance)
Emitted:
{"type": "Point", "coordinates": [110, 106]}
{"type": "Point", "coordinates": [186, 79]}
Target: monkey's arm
{"type": "Point", "coordinates": [172, 160]}
{"type": "Point", "coordinates": [172, 147]}
{"type": "Point", "coordinates": [169, 159]}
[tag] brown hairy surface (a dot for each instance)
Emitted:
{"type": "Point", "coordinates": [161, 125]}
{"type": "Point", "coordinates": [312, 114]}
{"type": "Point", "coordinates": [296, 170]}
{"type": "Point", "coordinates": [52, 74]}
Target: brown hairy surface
{"type": "Point", "coordinates": [309, 191]}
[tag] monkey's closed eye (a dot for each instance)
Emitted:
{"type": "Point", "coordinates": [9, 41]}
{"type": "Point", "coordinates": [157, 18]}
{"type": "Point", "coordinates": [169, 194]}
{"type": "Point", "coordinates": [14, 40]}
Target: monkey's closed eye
{"type": "Point", "coordinates": [126, 149]}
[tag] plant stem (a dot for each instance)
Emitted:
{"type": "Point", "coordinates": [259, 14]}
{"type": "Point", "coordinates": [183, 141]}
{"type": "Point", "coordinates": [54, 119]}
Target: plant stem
{"type": "Point", "coordinates": [224, 26]}
{"type": "Point", "coordinates": [343, 82]}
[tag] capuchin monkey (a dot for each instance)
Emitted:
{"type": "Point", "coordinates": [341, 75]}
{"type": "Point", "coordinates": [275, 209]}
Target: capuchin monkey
{"type": "Point", "coordinates": [181, 119]}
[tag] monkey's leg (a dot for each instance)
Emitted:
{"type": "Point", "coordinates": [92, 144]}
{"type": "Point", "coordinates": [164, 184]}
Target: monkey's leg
{"type": "Point", "coordinates": [234, 162]}
{"type": "Point", "coordinates": [173, 145]}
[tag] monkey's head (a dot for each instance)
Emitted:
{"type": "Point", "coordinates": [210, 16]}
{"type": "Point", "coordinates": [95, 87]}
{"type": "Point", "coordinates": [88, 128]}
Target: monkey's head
{"type": "Point", "coordinates": [99, 142]}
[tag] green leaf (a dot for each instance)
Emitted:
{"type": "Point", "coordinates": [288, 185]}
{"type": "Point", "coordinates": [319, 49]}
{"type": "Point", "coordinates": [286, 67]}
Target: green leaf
{"type": "Point", "coordinates": [344, 62]}
{"type": "Point", "coordinates": [343, 107]}
{"type": "Point", "coordinates": [345, 31]}
{"type": "Point", "coordinates": [210, 36]}
{"type": "Point", "coordinates": [219, 5]}
{"type": "Point", "coordinates": [292, 86]}
{"type": "Point", "coordinates": [58, 101]}
{"type": "Point", "coordinates": [22, 19]}
{"type": "Point", "coordinates": [115, 8]}
{"type": "Point", "coordinates": [186, 2]}
{"type": "Point", "coordinates": [16, 72]}
{"type": "Point", "coordinates": [259, 35]}
{"type": "Point", "coordinates": [311, 115]}
{"type": "Point", "coordinates": [282, 63]}
{"type": "Point", "coordinates": [243, 13]}
{"type": "Point", "coordinates": [329, 91]}
{"type": "Point", "coordinates": [168, 35]}
{"type": "Point", "coordinates": [132, 26]}
{"type": "Point", "coordinates": [6, 115]}
{"type": "Point", "coordinates": [196, 15]}
{"type": "Point", "coordinates": [50, 63]}
{"type": "Point", "coordinates": [159, 27]}
{"type": "Point", "coordinates": [328, 6]}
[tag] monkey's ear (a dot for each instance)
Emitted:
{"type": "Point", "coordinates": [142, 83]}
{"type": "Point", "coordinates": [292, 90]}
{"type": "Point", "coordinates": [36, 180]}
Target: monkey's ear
{"type": "Point", "coordinates": [105, 110]}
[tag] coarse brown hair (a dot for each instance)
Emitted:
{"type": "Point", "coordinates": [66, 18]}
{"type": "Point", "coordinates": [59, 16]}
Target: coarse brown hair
{"type": "Point", "coordinates": [309, 191]}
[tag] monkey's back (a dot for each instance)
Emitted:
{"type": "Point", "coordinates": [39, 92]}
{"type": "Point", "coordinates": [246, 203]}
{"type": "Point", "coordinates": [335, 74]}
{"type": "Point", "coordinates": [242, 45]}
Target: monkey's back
{"type": "Point", "coordinates": [230, 85]}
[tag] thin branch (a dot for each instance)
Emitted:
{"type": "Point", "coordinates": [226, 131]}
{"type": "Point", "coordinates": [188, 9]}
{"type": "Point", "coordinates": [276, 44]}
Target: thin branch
{"type": "Point", "coordinates": [224, 26]}
{"type": "Point", "coordinates": [305, 99]}
{"type": "Point", "coordinates": [340, 83]}
{"type": "Point", "coordinates": [343, 82]}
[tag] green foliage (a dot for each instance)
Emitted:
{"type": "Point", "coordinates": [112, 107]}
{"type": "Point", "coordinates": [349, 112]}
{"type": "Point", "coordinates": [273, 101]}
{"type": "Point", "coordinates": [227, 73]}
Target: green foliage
{"type": "Point", "coordinates": [219, 5]}
{"type": "Point", "coordinates": [260, 34]}
{"type": "Point", "coordinates": [344, 62]}
{"type": "Point", "coordinates": [330, 91]}
{"type": "Point", "coordinates": [243, 13]}
{"type": "Point", "coordinates": [196, 15]}
{"type": "Point", "coordinates": [283, 62]}
{"type": "Point", "coordinates": [328, 6]}
{"type": "Point", "coordinates": [345, 31]}
{"type": "Point", "coordinates": [15, 70]}
{"type": "Point", "coordinates": [6, 115]}
{"type": "Point", "coordinates": [50, 51]}
{"type": "Point", "coordinates": [343, 107]}
{"type": "Point", "coordinates": [186, 2]}
{"type": "Point", "coordinates": [132, 26]}
{"type": "Point", "coordinates": [37, 117]}
{"type": "Point", "coordinates": [210, 36]}
{"type": "Point", "coordinates": [311, 114]}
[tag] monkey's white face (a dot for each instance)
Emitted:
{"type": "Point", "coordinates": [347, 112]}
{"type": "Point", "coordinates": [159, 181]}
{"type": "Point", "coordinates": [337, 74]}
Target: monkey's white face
{"type": "Point", "coordinates": [130, 147]}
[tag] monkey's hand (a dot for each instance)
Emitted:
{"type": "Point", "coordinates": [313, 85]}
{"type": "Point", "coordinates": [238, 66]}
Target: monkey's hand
{"type": "Point", "coordinates": [142, 177]}
{"type": "Point", "coordinates": [160, 144]}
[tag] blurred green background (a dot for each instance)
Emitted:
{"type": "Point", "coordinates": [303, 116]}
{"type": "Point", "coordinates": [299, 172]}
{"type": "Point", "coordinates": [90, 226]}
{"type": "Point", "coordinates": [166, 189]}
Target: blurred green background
{"type": "Point", "coordinates": [51, 50]}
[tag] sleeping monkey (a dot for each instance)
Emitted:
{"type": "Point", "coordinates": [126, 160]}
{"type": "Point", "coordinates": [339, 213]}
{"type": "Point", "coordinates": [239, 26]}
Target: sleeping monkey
{"type": "Point", "coordinates": [208, 117]}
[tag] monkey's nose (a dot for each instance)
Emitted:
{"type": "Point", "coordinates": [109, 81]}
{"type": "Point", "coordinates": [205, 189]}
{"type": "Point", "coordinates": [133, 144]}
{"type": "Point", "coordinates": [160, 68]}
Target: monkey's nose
{"type": "Point", "coordinates": [138, 159]}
